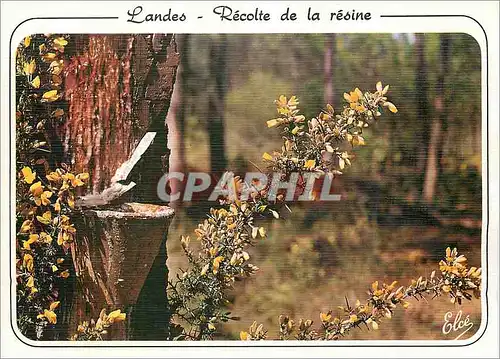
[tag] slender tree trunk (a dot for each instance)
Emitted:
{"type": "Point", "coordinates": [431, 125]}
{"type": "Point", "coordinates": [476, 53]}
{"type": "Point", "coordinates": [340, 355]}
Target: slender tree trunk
{"type": "Point", "coordinates": [421, 89]}
{"type": "Point", "coordinates": [431, 170]}
{"type": "Point", "coordinates": [176, 119]}
{"type": "Point", "coordinates": [437, 125]}
{"type": "Point", "coordinates": [218, 73]}
{"type": "Point", "coordinates": [329, 68]}
{"type": "Point", "coordinates": [445, 50]}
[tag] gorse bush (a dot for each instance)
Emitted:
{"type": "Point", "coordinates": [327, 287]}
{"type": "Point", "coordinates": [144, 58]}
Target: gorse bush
{"type": "Point", "coordinates": [44, 235]}
{"type": "Point", "coordinates": [45, 197]}
{"type": "Point", "coordinates": [198, 295]}
{"type": "Point", "coordinates": [96, 330]}
{"type": "Point", "coordinates": [316, 145]}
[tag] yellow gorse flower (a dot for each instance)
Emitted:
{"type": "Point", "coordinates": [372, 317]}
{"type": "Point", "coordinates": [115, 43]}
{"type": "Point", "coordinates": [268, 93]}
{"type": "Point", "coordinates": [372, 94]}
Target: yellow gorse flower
{"type": "Point", "coordinates": [33, 238]}
{"type": "Point", "coordinates": [310, 164]}
{"type": "Point", "coordinates": [382, 90]}
{"type": "Point", "coordinates": [28, 174]}
{"type": "Point", "coordinates": [116, 316]}
{"type": "Point", "coordinates": [391, 107]}
{"type": "Point", "coordinates": [36, 189]}
{"type": "Point", "coordinates": [353, 96]}
{"type": "Point", "coordinates": [28, 262]}
{"type": "Point", "coordinates": [29, 68]}
{"type": "Point", "coordinates": [216, 264]}
{"type": "Point", "coordinates": [26, 226]}
{"type": "Point", "coordinates": [53, 177]}
{"type": "Point", "coordinates": [49, 56]}
{"type": "Point", "coordinates": [273, 123]}
{"type": "Point", "coordinates": [76, 181]}
{"type": "Point", "coordinates": [266, 156]}
{"type": "Point", "coordinates": [41, 197]}
{"type": "Point", "coordinates": [45, 218]}
{"type": "Point", "coordinates": [59, 43]}
{"type": "Point", "coordinates": [36, 82]}
{"type": "Point", "coordinates": [49, 313]}
{"type": "Point", "coordinates": [204, 270]}
{"type": "Point", "coordinates": [27, 41]}
{"type": "Point", "coordinates": [325, 317]}
{"type": "Point", "coordinates": [50, 96]}
{"type": "Point", "coordinates": [66, 232]}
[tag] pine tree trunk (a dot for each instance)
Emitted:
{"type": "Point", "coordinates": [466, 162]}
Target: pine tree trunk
{"type": "Point", "coordinates": [445, 48]}
{"type": "Point", "coordinates": [421, 89]}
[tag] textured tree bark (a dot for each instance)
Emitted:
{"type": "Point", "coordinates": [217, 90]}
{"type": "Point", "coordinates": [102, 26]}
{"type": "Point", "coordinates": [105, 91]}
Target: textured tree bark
{"type": "Point", "coordinates": [118, 88]}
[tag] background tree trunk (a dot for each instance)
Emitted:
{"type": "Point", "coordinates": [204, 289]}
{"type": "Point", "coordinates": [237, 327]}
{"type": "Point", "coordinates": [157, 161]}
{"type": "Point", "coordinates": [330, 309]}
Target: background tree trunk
{"type": "Point", "coordinates": [439, 121]}
{"type": "Point", "coordinates": [329, 68]}
{"type": "Point", "coordinates": [422, 105]}
{"type": "Point", "coordinates": [118, 88]}
{"type": "Point", "coordinates": [176, 118]}
{"type": "Point", "coordinates": [216, 101]}
{"type": "Point", "coordinates": [443, 84]}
